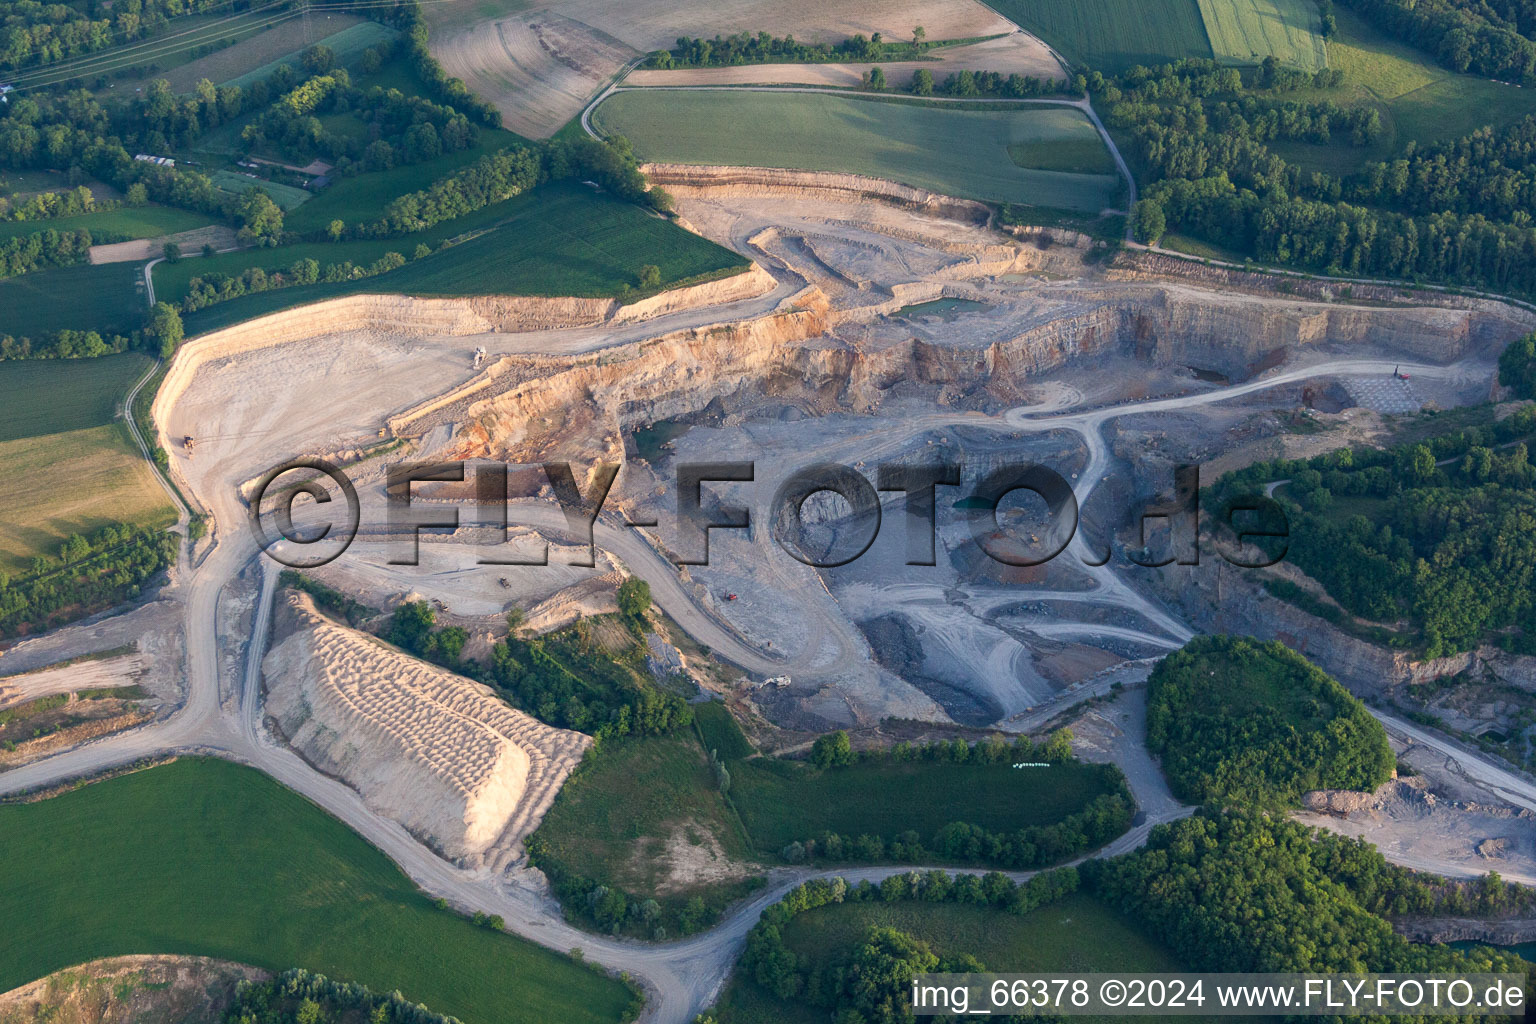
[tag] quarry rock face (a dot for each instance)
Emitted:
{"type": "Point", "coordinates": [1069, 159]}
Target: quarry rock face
{"type": "Point", "coordinates": [432, 750]}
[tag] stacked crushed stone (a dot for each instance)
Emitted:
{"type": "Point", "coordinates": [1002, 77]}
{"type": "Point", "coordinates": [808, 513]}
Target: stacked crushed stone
{"type": "Point", "coordinates": [432, 750]}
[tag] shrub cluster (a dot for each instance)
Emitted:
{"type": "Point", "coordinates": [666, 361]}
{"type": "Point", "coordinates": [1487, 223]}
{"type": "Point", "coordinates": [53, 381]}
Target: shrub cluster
{"type": "Point", "coordinates": [89, 574]}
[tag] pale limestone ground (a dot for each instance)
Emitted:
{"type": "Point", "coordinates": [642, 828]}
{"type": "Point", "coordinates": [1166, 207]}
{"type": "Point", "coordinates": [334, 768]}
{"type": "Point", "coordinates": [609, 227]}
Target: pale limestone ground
{"type": "Point", "coordinates": [435, 751]}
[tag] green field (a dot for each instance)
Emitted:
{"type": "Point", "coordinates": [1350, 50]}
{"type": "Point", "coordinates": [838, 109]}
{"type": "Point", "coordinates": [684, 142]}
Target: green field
{"type": "Point", "coordinates": [954, 151]}
{"type": "Point", "coordinates": [49, 396]}
{"type": "Point", "coordinates": [561, 239]}
{"type": "Point", "coordinates": [71, 469]}
{"type": "Point", "coordinates": [210, 858]}
{"type": "Point", "coordinates": [73, 482]}
{"type": "Point", "coordinates": [122, 224]}
{"type": "Point", "coordinates": [362, 198]}
{"type": "Point", "coordinates": [783, 801]}
{"type": "Point", "coordinates": [1076, 933]}
{"type": "Point", "coordinates": [1418, 100]}
{"type": "Point", "coordinates": [107, 298]}
{"type": "Point", "coordinates": [1086, 155]}
{"type": "Point", "coordinates": [1112, 35]}
{"type": "Point", "coordinates": [1247, 31]}
{"type": "Point", "coordinates": [289, 197]}
{"type": "Point", "coordinates": [614, 821]}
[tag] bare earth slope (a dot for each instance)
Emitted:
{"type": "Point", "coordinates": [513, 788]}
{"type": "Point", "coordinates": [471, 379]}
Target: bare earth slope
{"type": "Point", "coordinates": [435, 751]}
{"type": "Point", "coordinates": [129, 990]}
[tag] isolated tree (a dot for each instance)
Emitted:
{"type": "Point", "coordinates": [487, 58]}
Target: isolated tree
{"type": "Point", "coordinates": [261, 220]}
{"type": "Point", "coordinates": [1149, 222]}
{"type": "Point", "coordinates": [171, 251]}
{"type": "Point", "coordinates": [650, 276]}
{"type": "Point", "coordinates": [876, 79]}
{"type": "Point", "coordinates": [166, 328]}
{"type": "Point", "coordinates": [918, 35]}
{"type": "Point", "coordinates": [832, 750]}
{"type": "Point", "coordinates": [922, 82]}
{"type": "Point", "coordinates": [634, 598]}
{"type": "Point", "coordinates": [336, 229]}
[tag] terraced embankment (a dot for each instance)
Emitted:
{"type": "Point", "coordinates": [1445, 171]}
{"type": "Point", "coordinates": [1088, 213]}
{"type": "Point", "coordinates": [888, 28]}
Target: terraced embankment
{"type": "Point", "coordinates": [434, 751]}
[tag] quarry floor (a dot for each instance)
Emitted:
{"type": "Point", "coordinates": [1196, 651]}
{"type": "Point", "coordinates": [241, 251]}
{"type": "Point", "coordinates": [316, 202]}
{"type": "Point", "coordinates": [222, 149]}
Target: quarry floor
{"type": "Point", "coordinates": [975, 642]}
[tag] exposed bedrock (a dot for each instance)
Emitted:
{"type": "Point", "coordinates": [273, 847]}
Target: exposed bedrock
{"type": "Point", "coordinates": [531, 407]}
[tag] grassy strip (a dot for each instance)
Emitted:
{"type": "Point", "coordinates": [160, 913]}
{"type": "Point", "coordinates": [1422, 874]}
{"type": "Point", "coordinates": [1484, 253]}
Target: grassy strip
{"type": "Point", "coordinates": [559, 240]}
{"type": "Point", "coordinates": [946, 147]}
{"type": "Point", "coordinates": [120, 225]}
{"type": "Point", "coordinates": [203, 857]}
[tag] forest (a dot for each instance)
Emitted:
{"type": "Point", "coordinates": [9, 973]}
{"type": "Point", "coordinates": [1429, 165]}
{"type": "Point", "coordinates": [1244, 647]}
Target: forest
{"type": "Point", "coordinates": [1442, 538]}
{"type": "Point", "coordinates": [1237, 720]}
{"type": "Point", "coordinates": [1492, 38]}
{"type": "Point", "coordinates": [1246, 891]}
{"type": "Point", "coordinates": [45, 33]}
{"type": "Point", "coordinates": [1454, 212]}
{"type": "Point", "coordinates": [88, 574]}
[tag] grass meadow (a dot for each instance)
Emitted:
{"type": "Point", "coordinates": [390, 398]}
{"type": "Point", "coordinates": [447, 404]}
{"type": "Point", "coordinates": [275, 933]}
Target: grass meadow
{"type": "Point", "coordinates": [1112, 35]}
{"type": "Point", "coordinates": [204, 857]}
{"type": "Point", "coordinates": [783, 801]}
{"type": "Point", "coordinates": [121, 224]}
{"type": "Point", "coordinates": [1247, 31]}
{"type": "Point", "coordinates": [1418, 100]}
{"type": "Point", "coordinates": [71, 469]}
{"type": "Point", "coordinates": [957, 152]}
{"type": "Point", "coordinates": [612, 820]}
{"type": "Point", "coordinates": [108, 298]}
{"type": "Point", "coordinates": [1074, 934]}
{"type": "Point", "coordinates": [562, 239]}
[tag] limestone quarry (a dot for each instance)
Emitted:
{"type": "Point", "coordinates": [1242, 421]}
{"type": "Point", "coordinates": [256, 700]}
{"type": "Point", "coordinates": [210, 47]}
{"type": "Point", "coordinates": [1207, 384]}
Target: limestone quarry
{"type": "Point", "coordinates": [878, 324]}
{"type": "Point", "coordinates": [434, 751]}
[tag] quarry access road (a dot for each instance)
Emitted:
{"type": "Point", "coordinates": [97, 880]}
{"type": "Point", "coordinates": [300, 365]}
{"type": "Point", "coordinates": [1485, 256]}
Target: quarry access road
{"type": "Point", "coordinates": [682, 977]}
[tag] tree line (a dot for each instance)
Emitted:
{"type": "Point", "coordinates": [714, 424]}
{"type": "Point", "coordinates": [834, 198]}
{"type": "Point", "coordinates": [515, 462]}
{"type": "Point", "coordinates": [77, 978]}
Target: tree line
{"type": "Point", "coordinates": [1447, 213]}
{"type": "Point", "coordinates": [299, 997]}
{"type": "Point", "coordinates": [48, 205]}
{"type": "Point", "coordinates": [89, 574]}
{"type": "Point", "coordinates": [20, 254]}
{"type": "Point", "coordinates": [1232, 718]}
{"type": "Point", "coordinates": [1246, 891]}
{"type": "Point", "coordinates": [1448, 547]}
{"type": "Point", "coordinates": [1493, 40]}
{"type": "Point", "coordinates": [43, 33]}
{"type": "Point", "coordinates": [762, 48]}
